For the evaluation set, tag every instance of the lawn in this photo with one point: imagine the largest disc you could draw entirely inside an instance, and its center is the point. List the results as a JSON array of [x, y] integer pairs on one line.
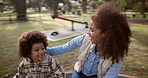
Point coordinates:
[[135, 64]]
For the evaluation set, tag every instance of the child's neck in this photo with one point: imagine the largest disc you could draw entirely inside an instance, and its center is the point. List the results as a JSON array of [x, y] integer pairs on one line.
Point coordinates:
[[33, 60]]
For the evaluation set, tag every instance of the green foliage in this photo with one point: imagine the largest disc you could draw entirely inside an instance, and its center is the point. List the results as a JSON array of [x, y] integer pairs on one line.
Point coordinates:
[[134, 5], [94, 4]]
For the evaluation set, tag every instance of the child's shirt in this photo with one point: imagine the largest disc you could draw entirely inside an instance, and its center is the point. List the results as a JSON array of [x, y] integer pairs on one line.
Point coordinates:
[[47, 68]]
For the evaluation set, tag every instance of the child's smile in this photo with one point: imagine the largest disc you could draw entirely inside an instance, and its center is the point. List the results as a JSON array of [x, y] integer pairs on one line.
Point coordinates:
[[37, 52]]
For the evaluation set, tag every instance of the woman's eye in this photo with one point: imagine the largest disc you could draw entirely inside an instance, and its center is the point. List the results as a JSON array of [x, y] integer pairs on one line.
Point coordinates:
[[91, 30]]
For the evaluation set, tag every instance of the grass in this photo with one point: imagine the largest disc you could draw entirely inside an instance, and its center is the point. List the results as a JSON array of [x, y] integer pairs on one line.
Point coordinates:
[[137, 15], [135, 64]]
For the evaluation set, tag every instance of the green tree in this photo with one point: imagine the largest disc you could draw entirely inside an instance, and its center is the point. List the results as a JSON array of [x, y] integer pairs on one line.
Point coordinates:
[[143, 6], [136, 5], [36, 4], [49, 4], [1, 6], [55, 7], [95, 3], [67, 5], [20, 7], [84, 6]]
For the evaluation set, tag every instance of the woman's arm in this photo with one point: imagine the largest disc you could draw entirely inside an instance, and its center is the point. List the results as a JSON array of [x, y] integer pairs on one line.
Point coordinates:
[[69, 46], [114, 70]]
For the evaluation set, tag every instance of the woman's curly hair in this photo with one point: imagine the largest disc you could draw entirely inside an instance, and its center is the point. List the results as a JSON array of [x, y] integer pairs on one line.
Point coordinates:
[[27, 39], [113, 24]]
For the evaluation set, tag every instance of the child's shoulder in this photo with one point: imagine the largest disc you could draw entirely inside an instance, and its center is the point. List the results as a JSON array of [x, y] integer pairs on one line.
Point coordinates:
[[26, 61], [48, 58]]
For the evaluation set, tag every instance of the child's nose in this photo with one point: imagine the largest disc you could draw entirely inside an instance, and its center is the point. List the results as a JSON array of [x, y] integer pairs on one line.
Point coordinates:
[[42, 51]]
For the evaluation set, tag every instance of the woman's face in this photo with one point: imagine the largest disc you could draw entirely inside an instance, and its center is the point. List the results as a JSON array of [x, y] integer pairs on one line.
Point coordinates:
[[94, 33], [37, 52]]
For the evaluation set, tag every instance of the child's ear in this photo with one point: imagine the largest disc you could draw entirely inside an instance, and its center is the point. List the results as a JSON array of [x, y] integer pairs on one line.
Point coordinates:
[[28, 55]]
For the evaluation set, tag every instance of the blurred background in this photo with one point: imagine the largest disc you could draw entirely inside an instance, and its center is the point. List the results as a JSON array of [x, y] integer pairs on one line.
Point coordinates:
[[18, 16]]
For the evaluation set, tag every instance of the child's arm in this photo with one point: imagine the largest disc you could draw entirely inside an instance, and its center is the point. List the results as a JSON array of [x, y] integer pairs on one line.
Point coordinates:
[[21, 72]]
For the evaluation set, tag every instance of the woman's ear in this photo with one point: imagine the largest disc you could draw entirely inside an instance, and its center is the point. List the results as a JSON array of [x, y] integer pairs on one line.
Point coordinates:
[[104, 34]]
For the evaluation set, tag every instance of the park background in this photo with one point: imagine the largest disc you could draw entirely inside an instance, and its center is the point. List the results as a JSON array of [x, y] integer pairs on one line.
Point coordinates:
[[18, 16]]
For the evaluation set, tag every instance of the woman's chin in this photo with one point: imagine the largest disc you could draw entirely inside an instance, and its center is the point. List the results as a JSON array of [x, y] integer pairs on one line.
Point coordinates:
[[92, 41]]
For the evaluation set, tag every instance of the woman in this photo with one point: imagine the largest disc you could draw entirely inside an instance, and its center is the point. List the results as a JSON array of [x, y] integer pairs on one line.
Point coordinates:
[[103, 48]]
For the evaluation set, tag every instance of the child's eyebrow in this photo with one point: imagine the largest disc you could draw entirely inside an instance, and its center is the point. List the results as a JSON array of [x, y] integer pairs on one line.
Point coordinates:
[[38, 47], [35, 47]]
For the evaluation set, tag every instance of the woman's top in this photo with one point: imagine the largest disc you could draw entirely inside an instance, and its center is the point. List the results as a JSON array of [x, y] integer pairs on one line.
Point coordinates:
[[47, 68], [91, 64], [104, 64]]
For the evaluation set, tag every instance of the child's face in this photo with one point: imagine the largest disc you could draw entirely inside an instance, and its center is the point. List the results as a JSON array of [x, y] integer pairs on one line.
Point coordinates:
[[37, 52]]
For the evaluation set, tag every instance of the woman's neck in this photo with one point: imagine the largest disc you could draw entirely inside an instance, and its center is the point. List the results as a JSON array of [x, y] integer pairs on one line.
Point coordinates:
[[97, 48]]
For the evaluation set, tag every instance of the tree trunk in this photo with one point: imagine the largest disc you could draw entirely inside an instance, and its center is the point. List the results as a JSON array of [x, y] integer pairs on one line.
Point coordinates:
[[55, 7], [69, 6], [21, 10], [84, 5], [37, 5], [142, 7]]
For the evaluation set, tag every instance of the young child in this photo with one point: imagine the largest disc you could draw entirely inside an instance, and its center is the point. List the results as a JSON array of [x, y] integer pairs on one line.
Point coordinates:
[[35, 63]]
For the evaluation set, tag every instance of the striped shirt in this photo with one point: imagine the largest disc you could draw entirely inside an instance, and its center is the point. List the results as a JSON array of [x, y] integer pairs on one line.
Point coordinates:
[[49, 67]]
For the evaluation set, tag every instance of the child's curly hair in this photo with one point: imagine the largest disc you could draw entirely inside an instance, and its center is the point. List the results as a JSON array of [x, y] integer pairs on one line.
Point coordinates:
[[115, 27], [27, 39]]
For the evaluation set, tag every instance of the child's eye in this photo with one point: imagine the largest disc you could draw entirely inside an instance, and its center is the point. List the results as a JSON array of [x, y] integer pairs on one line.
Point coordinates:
[[43, 48], [36, 50]]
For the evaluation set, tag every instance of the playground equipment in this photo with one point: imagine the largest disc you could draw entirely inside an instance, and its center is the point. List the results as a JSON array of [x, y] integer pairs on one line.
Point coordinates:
[[72, 21], [69, 74]]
